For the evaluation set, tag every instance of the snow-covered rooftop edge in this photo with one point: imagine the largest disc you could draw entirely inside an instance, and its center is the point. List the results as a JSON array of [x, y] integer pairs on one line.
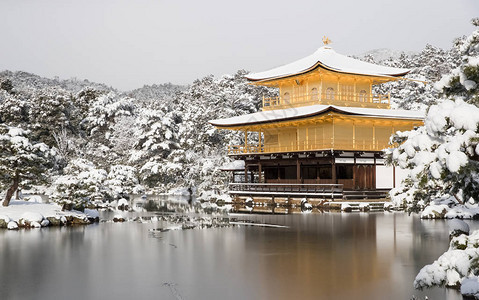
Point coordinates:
[[328, 58], [314, 110]]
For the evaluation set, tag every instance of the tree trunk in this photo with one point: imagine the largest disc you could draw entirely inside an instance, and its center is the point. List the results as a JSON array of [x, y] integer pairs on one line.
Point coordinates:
[[457, 198], [11, 190]]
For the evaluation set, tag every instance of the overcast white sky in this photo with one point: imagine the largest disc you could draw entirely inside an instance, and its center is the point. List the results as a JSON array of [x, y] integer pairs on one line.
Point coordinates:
[[127, 44]]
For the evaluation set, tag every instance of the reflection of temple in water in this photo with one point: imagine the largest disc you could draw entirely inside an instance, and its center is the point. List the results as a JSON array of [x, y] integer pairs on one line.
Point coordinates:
[[339, 251], [344, 255]]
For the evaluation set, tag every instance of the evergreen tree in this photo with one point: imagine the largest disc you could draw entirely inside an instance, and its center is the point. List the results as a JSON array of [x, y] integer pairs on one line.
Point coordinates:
[[21, 160], [442, 155], [81, 182]]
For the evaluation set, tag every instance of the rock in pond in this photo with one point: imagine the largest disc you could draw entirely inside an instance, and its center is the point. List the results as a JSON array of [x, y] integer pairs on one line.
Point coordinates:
[[118, 218]]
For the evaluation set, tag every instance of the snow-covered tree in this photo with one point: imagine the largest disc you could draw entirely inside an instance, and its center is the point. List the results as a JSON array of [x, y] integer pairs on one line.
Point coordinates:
[[158, 134], [6, 85], [122, 180], [443, 154], [104, 110], [22, 161], [81, 182], [13, 109], [49, 110], [464, 80]]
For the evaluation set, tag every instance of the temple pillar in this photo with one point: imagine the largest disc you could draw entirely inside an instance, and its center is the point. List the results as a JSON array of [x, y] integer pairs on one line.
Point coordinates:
[[245, 141], [260, 177], [354, 172], [317, 173], [298, 171], [259, 142], [333, 171]]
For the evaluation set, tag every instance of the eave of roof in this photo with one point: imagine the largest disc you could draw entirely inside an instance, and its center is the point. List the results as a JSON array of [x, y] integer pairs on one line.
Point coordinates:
[[289, 114]]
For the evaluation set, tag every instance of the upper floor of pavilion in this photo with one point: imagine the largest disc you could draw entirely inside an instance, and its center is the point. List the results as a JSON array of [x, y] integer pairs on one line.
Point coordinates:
[[328, 78]]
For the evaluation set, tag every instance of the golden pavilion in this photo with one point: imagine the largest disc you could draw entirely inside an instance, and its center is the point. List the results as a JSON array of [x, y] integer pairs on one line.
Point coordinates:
[[324, 131]]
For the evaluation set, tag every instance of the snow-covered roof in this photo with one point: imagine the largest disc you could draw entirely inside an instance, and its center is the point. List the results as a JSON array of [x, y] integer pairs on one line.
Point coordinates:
[[233, 166], [329, 59], [314, 110]]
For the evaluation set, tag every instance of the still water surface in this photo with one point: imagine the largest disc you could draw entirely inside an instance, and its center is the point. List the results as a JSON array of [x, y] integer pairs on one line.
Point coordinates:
[[320, 256]]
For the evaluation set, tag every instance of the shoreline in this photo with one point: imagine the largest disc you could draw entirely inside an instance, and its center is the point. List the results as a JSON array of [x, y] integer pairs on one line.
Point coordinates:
[[24, 214]]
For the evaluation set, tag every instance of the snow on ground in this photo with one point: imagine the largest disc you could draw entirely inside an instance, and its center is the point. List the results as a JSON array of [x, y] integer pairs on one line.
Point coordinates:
[[443, 211], [234, 165], [123, 203], [305, 205], [182, 191], [388, 205], [213, 195], [345, 206], [32, 214], [92, 213]]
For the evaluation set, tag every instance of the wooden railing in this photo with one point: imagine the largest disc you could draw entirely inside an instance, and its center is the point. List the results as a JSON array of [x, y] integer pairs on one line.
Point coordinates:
[[325, 190], [340, 144], [345, 99], [250, 148]]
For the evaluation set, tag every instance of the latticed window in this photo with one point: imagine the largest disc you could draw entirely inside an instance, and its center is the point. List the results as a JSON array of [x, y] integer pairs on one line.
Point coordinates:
[[363, 95], [347, 92], [271, 139], [329, 93], [314, 96]]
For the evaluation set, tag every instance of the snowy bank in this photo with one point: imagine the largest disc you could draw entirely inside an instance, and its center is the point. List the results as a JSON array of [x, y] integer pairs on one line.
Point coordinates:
[[444, 207], [456, 268], [442, 211], [35, 215]]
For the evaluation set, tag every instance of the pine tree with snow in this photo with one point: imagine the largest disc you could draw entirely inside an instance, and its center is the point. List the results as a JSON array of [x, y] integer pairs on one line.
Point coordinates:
[[6, 85], [49, 111], [442, 155], [464, 80], [13, 109], [22, 161], [121, 181]]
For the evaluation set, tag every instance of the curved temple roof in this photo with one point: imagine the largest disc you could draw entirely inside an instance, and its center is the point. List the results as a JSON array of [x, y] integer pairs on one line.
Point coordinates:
[[314, 110], [329, 59]]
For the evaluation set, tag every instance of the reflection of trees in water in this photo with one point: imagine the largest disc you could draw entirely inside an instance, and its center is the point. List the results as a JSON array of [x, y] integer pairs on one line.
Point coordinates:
[[416, 240], [33, 254], [430, 239]]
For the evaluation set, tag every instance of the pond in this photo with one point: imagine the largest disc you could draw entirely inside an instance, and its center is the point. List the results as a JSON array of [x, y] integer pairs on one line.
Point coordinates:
[[316, 256]]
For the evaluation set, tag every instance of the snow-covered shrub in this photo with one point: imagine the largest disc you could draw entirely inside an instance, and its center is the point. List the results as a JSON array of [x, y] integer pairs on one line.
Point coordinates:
[[121, 180], [457, 264], [80, 184]]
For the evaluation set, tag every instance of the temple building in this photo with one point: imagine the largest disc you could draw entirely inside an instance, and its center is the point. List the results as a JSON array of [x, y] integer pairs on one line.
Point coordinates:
[[324, 129]]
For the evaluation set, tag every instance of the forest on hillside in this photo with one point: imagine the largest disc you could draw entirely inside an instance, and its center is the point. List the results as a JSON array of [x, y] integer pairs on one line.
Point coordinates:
[[91, 140]]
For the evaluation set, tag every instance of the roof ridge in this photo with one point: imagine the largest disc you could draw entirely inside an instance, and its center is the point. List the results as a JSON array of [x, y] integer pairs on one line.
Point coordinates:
[[328, 58]]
